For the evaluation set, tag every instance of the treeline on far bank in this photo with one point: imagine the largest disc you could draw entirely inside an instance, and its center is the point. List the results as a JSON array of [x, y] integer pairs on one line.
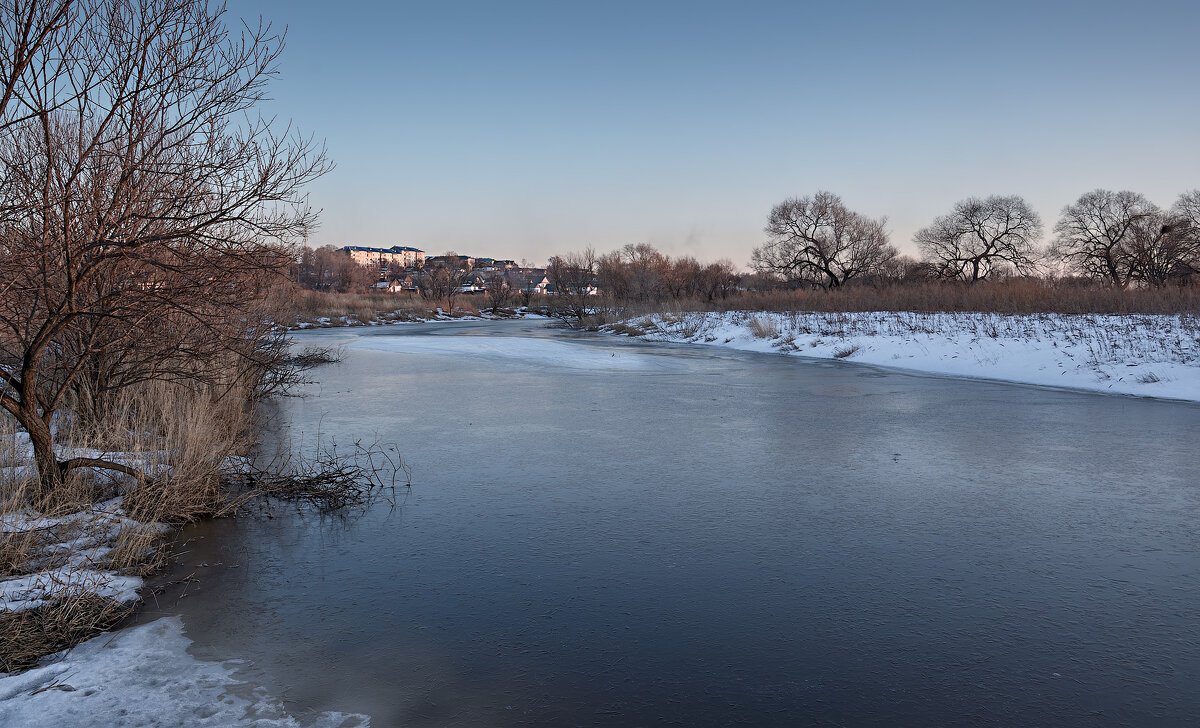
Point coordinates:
[[639, 280], [1111, 252]]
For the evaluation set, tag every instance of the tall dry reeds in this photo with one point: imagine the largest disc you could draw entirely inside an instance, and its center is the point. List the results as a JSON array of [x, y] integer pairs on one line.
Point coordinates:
[[27, 635], [1010, 296], [321, 308], [312, 306], [177, 438]]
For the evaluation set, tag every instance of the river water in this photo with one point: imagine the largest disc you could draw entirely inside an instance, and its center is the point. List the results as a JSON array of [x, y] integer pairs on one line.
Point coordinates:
[[608, 532]]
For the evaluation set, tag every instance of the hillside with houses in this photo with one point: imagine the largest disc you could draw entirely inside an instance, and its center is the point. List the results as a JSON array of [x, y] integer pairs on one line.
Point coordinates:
[[405, 269]]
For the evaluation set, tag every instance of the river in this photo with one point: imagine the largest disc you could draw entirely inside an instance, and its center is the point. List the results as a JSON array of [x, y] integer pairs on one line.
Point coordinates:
[[608, 532]]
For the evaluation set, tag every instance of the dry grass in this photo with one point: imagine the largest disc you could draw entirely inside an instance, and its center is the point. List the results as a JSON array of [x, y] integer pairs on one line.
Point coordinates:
[[29, 634], [763, 328], [321, 309], [1015, 296], [627, 328], [180, 437]]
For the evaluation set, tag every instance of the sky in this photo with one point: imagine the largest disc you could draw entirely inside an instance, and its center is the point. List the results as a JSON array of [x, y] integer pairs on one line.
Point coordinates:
[[527, 129]]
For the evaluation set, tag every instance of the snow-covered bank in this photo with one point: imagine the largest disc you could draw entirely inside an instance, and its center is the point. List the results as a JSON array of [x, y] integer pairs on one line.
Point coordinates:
[[143, 676], [1153, 356], [68, 556], [404, 316], [56, 558]]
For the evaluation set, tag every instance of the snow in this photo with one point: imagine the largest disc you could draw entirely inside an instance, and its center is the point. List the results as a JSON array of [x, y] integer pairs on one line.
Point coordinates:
[[1143, 355], [402, 316], [144, 676], [69, 552], [516, 351], [33, 590]]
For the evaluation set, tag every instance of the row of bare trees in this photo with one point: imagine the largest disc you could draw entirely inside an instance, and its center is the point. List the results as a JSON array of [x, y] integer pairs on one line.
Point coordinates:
[[639, 272], [145, 209], [1117, 237], [1123, 238], [329, 269]]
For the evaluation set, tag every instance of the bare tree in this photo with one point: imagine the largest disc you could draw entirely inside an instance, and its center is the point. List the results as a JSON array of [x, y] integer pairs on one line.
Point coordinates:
[[329, 269], [144, 209], [1096, 234], [612, 274], [1165, 246], [646, 269], [441, 282], [819, 241], [681, 277], [36, 43], [498, 291], [982, 236], [718, 280], [574, 278], [1187, 207], [1185, 224]]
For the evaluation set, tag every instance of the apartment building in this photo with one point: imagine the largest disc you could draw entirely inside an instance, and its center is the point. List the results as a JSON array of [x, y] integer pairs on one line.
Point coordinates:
[[398, 254]]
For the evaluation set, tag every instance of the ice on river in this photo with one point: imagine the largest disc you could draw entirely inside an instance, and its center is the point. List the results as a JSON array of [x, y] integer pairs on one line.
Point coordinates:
[[143, 676], [517, 351]]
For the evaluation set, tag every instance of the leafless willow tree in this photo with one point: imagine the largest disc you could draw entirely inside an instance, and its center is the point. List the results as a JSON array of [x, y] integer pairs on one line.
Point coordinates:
[[1181, 248], [819, 241], [1166, 247], [1123, 238], [1096, 235], [981, 237], [144, 206]]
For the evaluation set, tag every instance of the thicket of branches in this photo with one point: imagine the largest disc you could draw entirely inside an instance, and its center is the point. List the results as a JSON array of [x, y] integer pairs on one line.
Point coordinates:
[[146, 211]]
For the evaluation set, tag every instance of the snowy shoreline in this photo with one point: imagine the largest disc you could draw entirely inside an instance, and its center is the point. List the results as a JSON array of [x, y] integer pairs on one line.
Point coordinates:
[[1139, 355], [144, 676], [390, 318]]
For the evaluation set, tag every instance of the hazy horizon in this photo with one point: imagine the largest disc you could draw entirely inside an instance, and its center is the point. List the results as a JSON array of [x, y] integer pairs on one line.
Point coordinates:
[[528, 129]]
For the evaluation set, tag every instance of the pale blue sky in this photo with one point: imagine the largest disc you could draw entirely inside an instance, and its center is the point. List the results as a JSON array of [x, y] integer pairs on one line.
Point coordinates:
[[523, 129]]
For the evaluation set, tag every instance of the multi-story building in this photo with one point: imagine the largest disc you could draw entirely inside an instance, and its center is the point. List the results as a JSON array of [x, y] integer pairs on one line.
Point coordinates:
[[398, 254]]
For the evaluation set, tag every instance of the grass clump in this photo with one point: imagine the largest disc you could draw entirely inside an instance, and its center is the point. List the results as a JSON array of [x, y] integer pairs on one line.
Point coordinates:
[[764, 327], [27, 635]]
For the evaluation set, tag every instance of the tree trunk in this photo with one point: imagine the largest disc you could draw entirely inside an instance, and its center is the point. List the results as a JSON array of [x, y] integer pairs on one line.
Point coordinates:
[[49, 470]]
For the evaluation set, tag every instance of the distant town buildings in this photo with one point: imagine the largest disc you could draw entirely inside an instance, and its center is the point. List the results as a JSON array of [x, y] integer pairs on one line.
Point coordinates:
[[404, 269], [401, 255]]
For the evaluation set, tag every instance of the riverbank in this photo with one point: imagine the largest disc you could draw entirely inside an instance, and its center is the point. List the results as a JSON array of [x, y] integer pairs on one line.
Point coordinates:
[[1140, 355], [144, 676], [73, 562], [384, 317]]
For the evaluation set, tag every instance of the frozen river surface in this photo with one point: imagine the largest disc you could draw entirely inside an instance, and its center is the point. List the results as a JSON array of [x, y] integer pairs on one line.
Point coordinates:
[[613, 533]]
